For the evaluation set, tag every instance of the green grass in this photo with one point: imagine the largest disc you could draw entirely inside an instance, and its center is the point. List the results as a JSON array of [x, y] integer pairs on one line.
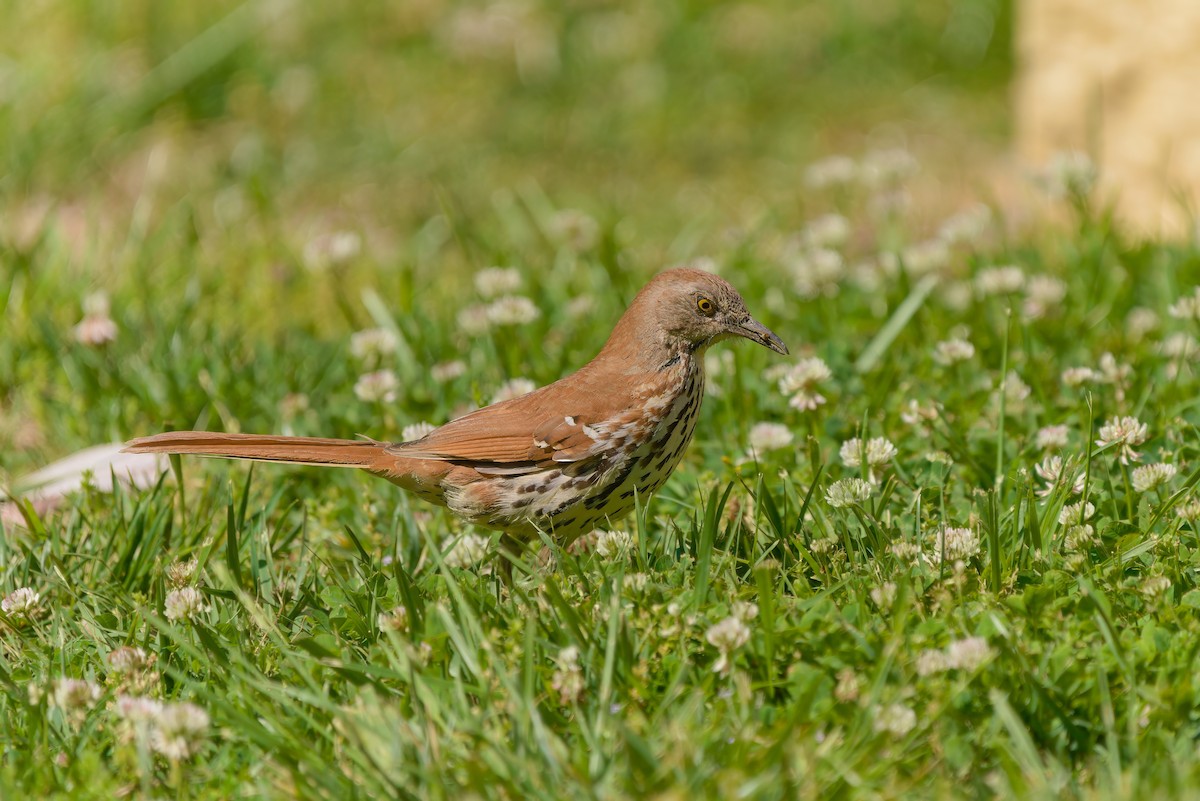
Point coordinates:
[[185, 160]]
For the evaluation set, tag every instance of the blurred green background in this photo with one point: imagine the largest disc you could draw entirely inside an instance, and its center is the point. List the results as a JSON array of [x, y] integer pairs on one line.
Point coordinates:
[[384, 112], [199, 161]]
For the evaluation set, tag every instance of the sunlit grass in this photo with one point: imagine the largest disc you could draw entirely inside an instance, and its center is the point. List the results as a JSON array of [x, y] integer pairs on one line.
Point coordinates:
[[945, 567]]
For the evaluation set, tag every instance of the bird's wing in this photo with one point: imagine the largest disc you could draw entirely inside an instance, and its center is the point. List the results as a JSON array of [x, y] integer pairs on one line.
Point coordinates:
[[526, 433]]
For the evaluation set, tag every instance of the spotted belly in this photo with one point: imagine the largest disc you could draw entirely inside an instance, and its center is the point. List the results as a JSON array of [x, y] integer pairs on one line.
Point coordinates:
[[568, 502]]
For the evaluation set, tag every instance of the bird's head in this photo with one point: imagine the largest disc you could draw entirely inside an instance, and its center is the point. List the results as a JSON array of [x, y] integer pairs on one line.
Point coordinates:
[[695, 309]]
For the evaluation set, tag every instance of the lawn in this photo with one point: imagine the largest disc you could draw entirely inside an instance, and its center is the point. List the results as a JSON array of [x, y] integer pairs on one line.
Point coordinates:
[[945, 549]]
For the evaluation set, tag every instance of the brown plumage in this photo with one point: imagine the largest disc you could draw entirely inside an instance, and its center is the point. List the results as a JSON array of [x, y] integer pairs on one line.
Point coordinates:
[[563, 459]]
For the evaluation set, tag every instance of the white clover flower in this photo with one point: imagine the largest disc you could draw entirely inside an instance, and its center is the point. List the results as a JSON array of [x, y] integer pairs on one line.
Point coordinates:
[[581, 306], [395, 620], [1112, 371], [180, 574], [71, 695], [377, 387], [1050, 469], [1056, 471], [512, 310], [95, 331], [465, 551], [718, 362], [954, 295], [931, 661], [908, 553], [474, 320], [1127, 432], [867, 275], [768, 437], [293, 405], [1043, 293], [1150, 476], [186, 603], [1069, 174], [1179, 346], [824, 545], [567, 679], [331, 250], [421, 654], [568, 656], [999, 280], [953, 351], [502, 32], [1076, 514], [1079, 537], [179, 731], [613, 544], [968, 654], [727, 636], [887, 166], [96, 328], [1140, 321], [575, 229], [415, 431], [343, 246], [97, 304], [21, 602], [953, 544], [492, 282], [924, 258], [744, 610], [967, 226], [444, 372], [800, 382], [372, 344], [817, 273], [847, 492], [1050, 437], [138, 709], [1016, 391], [884, 595], [826, 231], [847, 689], [1187, 307], [832, 171], [1155, 586], [772, 375], [1188, 510], [1078, 376], [895, 719], [916, 414], [885, 204], [875, 452], [513, 388], [129, 659]]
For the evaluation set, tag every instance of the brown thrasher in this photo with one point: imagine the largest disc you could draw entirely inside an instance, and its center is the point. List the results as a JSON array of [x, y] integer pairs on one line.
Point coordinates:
[[564, 458]]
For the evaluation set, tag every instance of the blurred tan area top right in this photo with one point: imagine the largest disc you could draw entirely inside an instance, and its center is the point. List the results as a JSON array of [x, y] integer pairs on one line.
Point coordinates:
[[1118, 80]]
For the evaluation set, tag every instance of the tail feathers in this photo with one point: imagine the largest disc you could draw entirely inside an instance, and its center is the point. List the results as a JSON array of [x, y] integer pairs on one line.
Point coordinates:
[[266, 448]]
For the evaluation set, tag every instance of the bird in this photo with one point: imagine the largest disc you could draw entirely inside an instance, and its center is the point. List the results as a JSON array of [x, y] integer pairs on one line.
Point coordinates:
[[562, 460]]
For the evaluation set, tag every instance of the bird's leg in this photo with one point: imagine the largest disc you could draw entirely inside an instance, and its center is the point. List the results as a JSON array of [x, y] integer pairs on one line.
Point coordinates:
[[507, 554]]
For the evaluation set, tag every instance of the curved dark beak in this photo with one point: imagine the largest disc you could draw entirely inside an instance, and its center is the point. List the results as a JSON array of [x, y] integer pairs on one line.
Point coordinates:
[[755, 331]]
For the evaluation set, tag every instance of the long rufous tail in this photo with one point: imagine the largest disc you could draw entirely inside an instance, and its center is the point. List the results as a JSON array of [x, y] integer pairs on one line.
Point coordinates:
[[267, 448]]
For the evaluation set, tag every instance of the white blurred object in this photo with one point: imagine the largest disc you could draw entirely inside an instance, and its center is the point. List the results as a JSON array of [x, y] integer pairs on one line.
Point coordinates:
[[96, 466]]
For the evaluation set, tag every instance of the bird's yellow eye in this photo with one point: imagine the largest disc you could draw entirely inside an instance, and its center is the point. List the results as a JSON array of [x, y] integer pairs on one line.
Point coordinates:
[[706, 306]]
